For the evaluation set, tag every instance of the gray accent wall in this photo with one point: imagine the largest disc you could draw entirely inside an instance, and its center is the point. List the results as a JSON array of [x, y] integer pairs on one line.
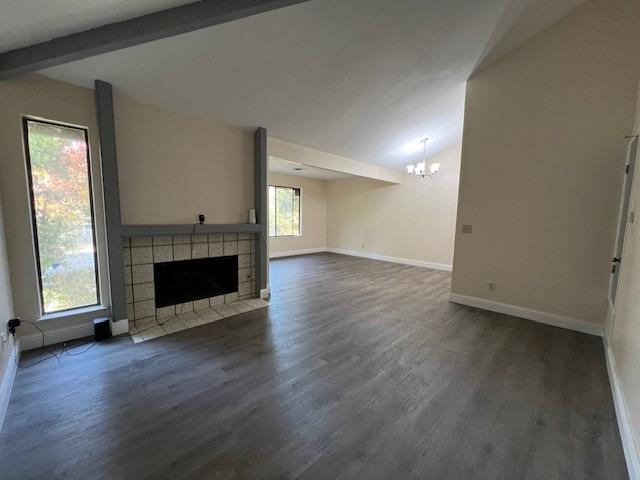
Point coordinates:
[[127, 33], [189, 229], [109, 164], [261, 202]]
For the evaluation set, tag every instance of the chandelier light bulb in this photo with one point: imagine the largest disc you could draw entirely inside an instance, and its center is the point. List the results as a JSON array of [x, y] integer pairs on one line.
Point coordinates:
[[420, 168]]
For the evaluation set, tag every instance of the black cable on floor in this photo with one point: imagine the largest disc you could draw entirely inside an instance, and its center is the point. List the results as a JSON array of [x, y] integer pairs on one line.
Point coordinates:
[[57, 357], [66, 348]]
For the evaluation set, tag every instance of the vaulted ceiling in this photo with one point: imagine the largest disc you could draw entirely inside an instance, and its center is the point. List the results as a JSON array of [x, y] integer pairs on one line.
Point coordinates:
[[360, 78]]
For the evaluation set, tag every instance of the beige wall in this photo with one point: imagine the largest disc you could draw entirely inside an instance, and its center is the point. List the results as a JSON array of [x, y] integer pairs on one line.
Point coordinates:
[[314, 215], [172, 167], [328, 161], [6, 309], [38, 96], [6, 299], [413, 220], [542, 161], [624, 335]]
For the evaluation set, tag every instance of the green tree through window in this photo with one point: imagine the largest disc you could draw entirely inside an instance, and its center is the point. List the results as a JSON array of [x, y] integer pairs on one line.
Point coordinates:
[[59, 177], [284, 211]]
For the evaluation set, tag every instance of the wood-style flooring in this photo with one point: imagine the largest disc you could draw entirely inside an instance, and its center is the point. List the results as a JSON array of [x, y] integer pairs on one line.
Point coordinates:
[[359, 369]]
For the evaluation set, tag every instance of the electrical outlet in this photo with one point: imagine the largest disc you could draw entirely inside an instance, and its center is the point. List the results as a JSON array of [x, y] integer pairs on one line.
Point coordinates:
[[492, 286], [3, 340], [632, 217], [362, 246]]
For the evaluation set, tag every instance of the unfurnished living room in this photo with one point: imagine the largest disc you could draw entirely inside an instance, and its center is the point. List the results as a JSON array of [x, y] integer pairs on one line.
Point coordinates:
[[319, 239]]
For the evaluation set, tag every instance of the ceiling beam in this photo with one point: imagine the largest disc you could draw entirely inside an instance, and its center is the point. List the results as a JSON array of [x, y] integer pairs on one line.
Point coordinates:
[[146, 28]]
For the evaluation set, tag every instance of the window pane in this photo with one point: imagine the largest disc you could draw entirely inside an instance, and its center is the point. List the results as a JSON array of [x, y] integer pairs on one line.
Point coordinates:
[[284, 211], [61, 197], [272, 211]]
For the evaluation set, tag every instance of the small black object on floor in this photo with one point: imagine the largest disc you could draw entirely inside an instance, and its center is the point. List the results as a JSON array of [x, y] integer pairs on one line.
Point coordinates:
[[101, 328]]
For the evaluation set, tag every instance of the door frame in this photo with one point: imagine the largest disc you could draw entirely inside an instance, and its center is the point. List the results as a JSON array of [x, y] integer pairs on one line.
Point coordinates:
[[633, 151]]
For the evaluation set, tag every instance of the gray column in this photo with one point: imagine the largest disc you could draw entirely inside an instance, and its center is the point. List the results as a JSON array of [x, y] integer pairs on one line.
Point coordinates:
[[261, 202], [109, 162]]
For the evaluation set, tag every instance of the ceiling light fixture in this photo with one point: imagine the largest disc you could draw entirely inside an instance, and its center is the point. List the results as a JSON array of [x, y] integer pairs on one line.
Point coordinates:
[[420, 168]]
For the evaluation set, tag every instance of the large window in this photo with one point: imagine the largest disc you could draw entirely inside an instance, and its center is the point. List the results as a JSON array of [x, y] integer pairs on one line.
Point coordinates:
[[62, 210], [284, 211]]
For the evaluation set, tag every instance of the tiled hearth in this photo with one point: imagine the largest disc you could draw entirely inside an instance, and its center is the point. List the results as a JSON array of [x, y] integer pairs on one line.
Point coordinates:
[[149, 328], [141, 252]]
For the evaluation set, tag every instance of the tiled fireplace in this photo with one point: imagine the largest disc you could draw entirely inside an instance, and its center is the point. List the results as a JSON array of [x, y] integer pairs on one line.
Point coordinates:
[[142, 252]]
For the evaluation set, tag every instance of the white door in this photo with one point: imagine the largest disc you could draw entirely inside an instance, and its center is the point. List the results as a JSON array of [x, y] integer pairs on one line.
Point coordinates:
[[623, 217]]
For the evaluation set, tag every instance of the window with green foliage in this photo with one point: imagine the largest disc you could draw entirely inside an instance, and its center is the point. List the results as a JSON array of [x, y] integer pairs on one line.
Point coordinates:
[[62, 210], [284, 211]]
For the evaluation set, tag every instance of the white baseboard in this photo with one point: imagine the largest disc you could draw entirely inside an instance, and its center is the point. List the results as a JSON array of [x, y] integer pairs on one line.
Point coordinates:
[[372, 256], [59, 335], [292, 253], [34, 340], [631, 452], [385, 258], [6, 386], [611, 314], [265, 292], [535, 315]]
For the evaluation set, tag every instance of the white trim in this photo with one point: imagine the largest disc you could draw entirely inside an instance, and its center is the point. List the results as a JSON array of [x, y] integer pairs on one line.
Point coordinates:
[[608, 326], [59, 335], [385, 258], [554, 319], [34, 340], [626, 197], [631, 452], [292, 253], [74, 312], [265, 292], [7, 382]]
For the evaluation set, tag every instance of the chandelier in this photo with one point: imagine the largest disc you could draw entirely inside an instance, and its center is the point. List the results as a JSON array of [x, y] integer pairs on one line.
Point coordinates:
[[420, 168]]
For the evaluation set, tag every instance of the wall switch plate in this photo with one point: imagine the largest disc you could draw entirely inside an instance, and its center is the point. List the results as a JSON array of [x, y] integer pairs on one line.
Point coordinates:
[[467, 228], [3, 340], [632, 217], [492, 286]]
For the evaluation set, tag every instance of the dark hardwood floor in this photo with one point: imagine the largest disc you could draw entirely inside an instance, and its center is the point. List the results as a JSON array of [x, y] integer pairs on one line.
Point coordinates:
[[359, 369]]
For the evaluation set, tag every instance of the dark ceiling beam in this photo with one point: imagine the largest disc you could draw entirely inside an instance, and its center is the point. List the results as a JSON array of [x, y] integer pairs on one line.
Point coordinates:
[[114, 36]]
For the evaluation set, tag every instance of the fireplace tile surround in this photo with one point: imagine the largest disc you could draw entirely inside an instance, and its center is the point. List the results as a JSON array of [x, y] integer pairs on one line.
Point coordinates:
[[141, 252]]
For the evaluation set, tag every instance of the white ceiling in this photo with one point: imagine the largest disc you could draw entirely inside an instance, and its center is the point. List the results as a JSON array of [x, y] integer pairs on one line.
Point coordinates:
[[358, 78], [279, 165]]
